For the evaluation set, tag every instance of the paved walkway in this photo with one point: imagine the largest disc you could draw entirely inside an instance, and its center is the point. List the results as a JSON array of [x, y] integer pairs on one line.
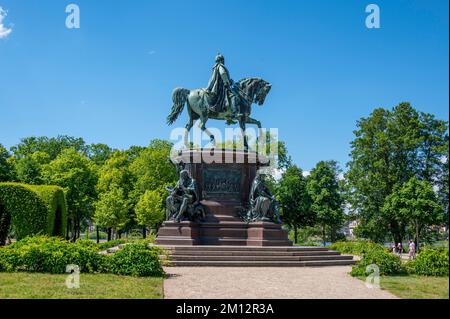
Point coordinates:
[[261, 283]]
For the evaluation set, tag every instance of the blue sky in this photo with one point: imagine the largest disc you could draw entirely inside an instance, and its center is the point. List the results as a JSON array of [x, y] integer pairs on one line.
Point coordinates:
[[111, 80]]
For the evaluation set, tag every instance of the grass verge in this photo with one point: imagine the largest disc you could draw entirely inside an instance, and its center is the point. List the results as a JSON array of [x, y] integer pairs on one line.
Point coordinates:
[[416, 287], [92, 286]]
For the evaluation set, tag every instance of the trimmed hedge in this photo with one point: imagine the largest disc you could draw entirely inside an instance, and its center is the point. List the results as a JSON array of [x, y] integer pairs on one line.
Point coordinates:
[[54, 199], [31, 209]]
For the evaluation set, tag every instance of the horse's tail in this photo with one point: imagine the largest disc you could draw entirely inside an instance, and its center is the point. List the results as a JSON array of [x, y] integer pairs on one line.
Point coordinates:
[[179, 98]]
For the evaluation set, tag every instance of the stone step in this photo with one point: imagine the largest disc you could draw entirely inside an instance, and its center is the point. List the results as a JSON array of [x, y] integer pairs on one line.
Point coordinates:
[[217, 218], [253, 253], [244, 248], [258, 258], [233, 263]]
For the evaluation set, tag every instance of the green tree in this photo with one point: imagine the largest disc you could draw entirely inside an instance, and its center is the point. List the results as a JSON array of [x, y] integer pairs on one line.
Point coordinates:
[[74, 172], [111, 210], [416, 204], [389, 148], [294, 201], [326, 199], [99, 153], [6, 170], [152, 168], [443, 185], [432, 148], [29, 168], [53, 146], [134, 151], [115, 173], [150, 210]]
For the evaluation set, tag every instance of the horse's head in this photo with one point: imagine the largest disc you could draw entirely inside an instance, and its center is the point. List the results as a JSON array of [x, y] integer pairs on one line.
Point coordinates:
[[255, 89], [262, 91]]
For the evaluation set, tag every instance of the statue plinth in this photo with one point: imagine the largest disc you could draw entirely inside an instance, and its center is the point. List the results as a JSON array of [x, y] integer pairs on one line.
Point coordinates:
[[224, 179]]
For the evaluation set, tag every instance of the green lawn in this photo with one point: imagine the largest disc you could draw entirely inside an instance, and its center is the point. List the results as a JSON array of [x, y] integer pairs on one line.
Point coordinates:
[[416, 287], [95, 286]]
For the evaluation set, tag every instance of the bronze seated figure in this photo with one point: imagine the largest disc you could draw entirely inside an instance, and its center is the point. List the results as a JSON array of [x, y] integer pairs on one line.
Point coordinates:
[[263, 206], [183, 203]]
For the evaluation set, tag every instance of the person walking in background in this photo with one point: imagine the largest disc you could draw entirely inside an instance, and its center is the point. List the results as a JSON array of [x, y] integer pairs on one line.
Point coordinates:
[[393, 248], [412, 250], [399, 249]]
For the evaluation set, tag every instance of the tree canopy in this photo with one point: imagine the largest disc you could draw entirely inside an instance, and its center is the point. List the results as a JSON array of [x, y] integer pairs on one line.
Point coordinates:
[[391, 147], [6, 169], [326, 198], [295, 202], [414, 204]]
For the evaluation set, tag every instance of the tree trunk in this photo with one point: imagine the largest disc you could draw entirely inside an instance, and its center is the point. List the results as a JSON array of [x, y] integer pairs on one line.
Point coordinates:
[[79, 229], [98, 234], [397, 233], [68, 229], [417, 237], [323, 235], [295, 234], [76, 226], [74, 231], [397, 239], [109, 233], [144, 232]]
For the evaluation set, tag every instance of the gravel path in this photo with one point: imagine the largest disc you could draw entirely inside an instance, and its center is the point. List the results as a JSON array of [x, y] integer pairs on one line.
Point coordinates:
[[260, 283]]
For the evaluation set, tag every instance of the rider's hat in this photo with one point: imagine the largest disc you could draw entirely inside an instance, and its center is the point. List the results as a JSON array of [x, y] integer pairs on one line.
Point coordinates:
[[220, 58]]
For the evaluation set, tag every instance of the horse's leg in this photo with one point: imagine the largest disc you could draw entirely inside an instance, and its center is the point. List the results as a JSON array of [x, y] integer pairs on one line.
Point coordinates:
[[188, 125], [242, 125], [250, 120], [202, 124], [199, 110], [188, 128]]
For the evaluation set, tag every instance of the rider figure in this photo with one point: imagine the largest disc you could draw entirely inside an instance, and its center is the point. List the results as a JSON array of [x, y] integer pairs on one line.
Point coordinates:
[[221, 86]]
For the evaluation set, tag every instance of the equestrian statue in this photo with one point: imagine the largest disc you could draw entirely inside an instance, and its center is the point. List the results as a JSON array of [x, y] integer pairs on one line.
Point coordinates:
[[222, 99]]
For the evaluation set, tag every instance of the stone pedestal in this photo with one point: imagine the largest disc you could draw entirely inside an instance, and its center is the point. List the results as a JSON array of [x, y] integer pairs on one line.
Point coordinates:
[[224, 179]]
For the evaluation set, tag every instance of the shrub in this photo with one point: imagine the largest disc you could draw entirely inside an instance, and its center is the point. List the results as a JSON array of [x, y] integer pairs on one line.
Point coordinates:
[[49, 255], [32, 210], [87, 243], [52, 255], [135, 259], [431, 262], [356, 247], [388, 263], [111, 243]]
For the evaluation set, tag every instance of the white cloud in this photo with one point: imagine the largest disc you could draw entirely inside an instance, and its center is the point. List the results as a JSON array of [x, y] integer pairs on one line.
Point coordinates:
[[278, 173], [4, 31], [306, 173]]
